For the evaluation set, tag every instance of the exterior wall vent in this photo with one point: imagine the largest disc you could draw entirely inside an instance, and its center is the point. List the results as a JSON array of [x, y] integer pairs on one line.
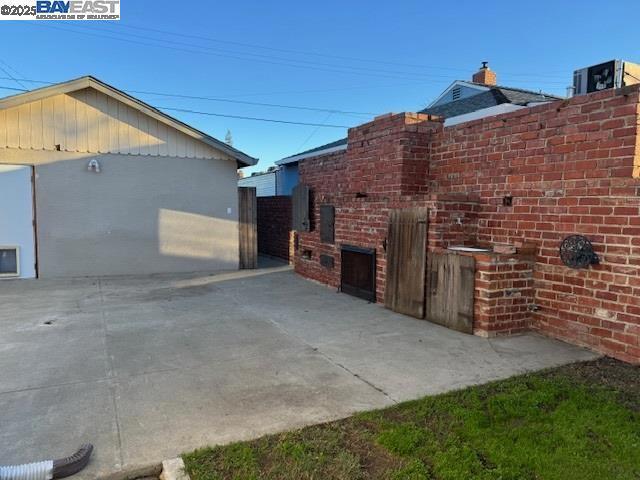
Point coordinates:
[[455, 93]]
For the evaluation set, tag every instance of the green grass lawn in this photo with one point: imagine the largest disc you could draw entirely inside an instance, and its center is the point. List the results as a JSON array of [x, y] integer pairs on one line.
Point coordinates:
[[581, 421]]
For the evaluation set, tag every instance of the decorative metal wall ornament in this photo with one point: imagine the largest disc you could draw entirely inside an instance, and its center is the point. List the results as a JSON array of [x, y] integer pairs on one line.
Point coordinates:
[[576, 251]]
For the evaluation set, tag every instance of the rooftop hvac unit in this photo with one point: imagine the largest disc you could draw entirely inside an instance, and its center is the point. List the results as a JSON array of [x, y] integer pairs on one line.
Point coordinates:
[[611, 74]]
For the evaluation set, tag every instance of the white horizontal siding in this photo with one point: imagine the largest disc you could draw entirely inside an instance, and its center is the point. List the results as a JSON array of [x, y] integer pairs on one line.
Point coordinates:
[[265, 184], [92, 122]]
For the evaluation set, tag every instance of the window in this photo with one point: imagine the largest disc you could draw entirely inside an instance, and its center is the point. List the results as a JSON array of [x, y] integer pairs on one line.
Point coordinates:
[[9, 262]]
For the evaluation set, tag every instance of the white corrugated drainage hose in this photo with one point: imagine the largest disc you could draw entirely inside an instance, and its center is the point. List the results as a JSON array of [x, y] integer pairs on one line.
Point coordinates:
[[49, 469], [28, 471]]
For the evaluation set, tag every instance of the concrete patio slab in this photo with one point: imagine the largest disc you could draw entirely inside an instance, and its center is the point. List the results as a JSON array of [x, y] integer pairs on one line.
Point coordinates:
[[146, 368]]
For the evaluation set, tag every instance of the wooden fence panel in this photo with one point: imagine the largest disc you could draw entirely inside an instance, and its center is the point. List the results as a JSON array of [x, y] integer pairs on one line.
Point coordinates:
[[248, 218]]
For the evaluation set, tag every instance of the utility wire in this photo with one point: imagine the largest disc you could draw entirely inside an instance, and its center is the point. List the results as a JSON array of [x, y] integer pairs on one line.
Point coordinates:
[[287, 92], [312, 63], [9, 74], [219, 99], [315, 130], [14, 89], [224, 115], [221, 55], [203, 50], [184, 110], [317, 54], [245, 102]]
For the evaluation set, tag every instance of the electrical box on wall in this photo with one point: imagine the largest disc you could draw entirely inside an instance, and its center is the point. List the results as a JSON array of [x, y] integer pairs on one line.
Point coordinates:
[[611, 74]]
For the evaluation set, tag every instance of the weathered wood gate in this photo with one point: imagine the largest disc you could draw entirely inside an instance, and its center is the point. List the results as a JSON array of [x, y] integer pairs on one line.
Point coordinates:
[[248, 225], [450, 289], [301, 221], [406, 261]]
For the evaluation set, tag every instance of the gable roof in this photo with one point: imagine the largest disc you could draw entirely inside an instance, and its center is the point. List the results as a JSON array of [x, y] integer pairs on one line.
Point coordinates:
[[92, 82], [492, 96], [476, 86]]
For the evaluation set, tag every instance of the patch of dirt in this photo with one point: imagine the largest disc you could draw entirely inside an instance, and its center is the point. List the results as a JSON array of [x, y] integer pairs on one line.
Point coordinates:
[[375, 461], [608, 373]]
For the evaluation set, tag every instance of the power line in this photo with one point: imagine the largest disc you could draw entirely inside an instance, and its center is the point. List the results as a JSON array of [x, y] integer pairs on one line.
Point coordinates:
[[353, 70], [14, 89], [426, 75], [224, 115], [300, 52], [287, 92], [219, 99], [9, 73], [315, 130], [184, 110], [260, 104], [222, 55]]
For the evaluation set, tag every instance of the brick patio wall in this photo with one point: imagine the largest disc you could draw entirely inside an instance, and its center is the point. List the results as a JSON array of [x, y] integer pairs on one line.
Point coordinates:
[[274, 227], [569, 167], [504, 294]]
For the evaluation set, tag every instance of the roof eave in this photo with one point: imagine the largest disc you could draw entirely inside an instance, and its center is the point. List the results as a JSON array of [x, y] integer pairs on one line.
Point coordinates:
[[92, 82], [316, 153]]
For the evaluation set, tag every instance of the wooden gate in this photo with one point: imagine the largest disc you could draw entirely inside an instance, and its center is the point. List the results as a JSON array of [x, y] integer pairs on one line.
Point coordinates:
[[406, 261], [450, 288], [248, 219], [300, 209]]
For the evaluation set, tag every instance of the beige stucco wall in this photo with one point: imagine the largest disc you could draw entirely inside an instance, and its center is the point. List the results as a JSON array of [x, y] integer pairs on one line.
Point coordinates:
[[140, 215]]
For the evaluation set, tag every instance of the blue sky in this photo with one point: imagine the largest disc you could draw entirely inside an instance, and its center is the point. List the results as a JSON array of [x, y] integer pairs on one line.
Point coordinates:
[[367, 57]]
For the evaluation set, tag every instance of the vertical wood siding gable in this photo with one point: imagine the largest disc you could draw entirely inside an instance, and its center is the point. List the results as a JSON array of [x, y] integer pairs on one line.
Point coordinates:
[[89, 121]]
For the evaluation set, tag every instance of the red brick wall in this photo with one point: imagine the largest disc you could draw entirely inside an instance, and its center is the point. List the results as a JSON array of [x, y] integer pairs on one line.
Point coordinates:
[[569, 167], [384, 167], [504, 295], [274, 227]]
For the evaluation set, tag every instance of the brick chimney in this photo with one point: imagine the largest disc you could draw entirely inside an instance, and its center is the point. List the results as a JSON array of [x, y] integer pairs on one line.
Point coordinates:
[[484, 75]]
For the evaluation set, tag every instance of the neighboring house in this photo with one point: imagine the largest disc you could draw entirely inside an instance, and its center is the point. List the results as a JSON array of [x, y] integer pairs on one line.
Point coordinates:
[[96, 182], [461, 102], [287, 178], [265, 183], [289, 165]]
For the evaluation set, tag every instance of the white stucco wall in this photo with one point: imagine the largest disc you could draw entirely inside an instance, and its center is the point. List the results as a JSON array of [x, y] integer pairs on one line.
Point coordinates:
[[140, 215], [16, 215]]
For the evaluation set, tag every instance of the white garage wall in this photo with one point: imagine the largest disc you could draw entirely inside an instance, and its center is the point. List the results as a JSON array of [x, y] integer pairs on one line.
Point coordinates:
[[16, 215], [140, 215]]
